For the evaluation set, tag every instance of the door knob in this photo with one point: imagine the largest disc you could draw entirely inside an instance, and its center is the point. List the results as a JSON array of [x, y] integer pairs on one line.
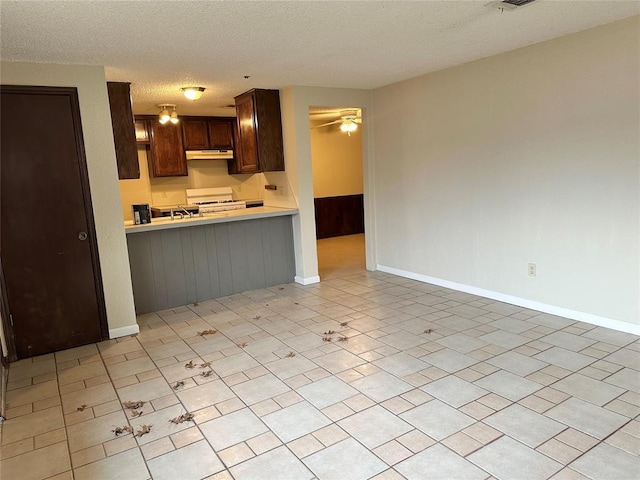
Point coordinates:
[[82, 235]]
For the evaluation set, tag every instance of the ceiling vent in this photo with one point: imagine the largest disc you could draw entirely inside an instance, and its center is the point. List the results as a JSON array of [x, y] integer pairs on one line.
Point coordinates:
[[517, 3], [508, 5]]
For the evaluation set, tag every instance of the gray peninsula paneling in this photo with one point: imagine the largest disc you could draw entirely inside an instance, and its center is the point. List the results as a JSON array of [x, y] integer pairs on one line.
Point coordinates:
[[178, 266]]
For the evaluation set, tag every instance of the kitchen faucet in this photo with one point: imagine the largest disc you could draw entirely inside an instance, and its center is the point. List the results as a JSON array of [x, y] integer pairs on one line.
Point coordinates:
[[180, 210]]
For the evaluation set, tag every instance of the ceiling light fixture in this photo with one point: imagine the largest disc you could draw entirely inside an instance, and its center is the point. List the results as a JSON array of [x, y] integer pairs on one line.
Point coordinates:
[[348, 126], [165, 116], [192, 93], [348, 121]]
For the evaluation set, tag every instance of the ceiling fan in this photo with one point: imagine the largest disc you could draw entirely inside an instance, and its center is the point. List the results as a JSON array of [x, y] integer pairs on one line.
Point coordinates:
[[349, 120]]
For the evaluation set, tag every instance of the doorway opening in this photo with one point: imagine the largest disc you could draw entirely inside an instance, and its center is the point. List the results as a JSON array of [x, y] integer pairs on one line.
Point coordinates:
[[336, 157]]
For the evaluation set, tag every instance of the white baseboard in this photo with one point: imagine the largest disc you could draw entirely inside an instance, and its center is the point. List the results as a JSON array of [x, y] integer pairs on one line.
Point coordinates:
[[521, 302], [306, 280], [124, 331]]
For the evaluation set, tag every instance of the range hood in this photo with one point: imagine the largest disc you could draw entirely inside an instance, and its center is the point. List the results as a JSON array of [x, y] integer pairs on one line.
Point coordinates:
[[209, 154]]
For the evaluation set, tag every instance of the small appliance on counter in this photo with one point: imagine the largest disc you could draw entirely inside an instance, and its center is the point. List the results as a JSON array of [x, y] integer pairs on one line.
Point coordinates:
[[141, 214], [214, 199]]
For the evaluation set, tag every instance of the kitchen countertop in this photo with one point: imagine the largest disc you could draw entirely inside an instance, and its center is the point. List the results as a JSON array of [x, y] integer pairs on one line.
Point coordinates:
[[164, 223]]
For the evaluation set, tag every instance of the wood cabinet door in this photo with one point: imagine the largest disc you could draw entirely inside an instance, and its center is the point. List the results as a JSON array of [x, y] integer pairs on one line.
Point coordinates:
[[245, 111], [269, 130], [221, 134], [124, 137], [167, 153], [49, 254], [195, 134], [233, 165]]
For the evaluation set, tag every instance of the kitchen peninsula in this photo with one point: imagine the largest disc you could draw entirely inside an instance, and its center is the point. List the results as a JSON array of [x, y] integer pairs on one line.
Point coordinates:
[[183, 261], [204, 172]]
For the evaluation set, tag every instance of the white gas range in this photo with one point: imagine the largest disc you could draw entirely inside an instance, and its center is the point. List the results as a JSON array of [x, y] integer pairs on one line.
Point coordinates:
[[214, 199]]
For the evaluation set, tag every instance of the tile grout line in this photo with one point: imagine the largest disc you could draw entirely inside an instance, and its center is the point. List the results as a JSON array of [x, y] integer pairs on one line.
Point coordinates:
[[102, 359], [139, 446], [326, 300], [64, 418]]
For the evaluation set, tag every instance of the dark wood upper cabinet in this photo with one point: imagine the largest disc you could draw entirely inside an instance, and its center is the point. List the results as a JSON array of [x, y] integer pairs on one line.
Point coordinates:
[[167, 143], [247, 138], [167, 158], [124, 136], [207, 133], [196, 133], [259, 131], [233, 165], [221, 133]]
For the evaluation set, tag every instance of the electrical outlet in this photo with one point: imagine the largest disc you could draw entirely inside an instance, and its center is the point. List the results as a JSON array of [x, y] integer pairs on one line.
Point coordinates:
[[281, 189], [532, 269]]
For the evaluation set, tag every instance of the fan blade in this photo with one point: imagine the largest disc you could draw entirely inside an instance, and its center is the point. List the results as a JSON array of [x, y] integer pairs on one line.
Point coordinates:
[[327, 124], [335, 113]]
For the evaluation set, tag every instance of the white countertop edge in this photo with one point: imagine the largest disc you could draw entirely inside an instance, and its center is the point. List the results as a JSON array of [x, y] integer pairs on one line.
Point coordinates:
[[224, 217]]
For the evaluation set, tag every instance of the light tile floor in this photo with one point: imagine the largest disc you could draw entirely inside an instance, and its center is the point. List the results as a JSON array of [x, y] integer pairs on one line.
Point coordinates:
[[494, 391]]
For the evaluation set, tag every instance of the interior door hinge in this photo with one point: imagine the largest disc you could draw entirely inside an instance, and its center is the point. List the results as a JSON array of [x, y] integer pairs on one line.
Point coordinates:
[[11, 319]]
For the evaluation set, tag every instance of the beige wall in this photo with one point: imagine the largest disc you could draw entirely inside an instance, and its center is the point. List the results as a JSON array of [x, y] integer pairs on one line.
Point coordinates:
[[136, 190], [103, 177], [531, 156], [172, 190], [337, 161]]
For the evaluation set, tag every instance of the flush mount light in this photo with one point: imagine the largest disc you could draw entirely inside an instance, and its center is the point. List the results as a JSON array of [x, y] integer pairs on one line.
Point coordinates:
[[165, 116], [192, 93]]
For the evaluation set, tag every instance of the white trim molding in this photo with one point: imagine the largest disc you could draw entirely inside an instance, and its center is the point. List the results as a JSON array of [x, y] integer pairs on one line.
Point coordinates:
[[124, 331], [521, 302], [306, 280]]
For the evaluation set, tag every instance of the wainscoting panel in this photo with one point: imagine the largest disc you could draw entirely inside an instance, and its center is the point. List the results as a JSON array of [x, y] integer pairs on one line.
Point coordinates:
[[337, 216]]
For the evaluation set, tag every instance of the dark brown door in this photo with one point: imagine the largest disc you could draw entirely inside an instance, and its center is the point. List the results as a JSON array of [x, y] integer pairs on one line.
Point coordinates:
[[47, 239]]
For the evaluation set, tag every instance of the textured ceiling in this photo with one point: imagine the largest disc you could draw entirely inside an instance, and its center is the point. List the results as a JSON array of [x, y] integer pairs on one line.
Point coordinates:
[[160, 46]]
